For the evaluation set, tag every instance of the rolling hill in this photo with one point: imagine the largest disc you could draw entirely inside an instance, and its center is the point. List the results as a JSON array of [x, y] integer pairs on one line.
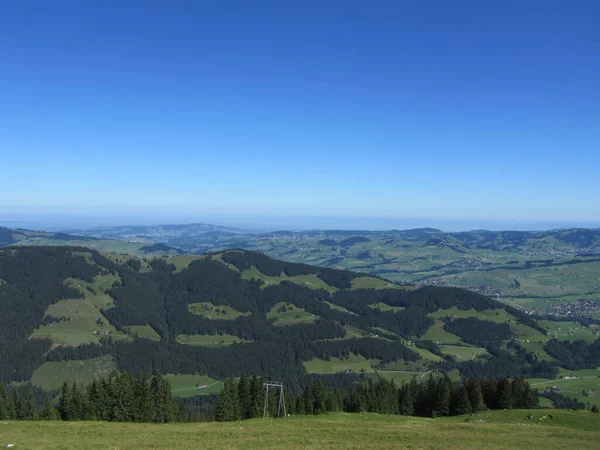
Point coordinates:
[[75, 313], [21, 237], [546, 272]]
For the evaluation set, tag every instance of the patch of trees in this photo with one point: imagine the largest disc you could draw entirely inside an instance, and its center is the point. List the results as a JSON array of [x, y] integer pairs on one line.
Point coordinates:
[[574, 355], [34, 279], [330, 242], [562, 401], [431, 347], [502, 364], [353, 240], [436, 397]]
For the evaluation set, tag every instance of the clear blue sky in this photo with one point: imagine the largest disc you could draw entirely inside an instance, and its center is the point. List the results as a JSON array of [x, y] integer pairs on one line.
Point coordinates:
[[486, 110]]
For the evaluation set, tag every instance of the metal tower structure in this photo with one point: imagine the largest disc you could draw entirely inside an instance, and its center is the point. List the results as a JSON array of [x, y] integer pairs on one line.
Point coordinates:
[[281, 405]]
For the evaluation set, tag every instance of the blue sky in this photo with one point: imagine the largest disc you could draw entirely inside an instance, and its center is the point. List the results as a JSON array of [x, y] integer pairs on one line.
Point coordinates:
[[464, 110]]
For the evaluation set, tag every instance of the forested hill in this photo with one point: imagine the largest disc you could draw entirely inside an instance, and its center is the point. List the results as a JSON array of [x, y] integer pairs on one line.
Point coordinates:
[[240, 312], [21, 237]]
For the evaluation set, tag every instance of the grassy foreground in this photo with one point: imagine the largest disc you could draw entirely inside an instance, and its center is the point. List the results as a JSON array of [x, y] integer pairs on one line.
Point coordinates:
[[499, 429]]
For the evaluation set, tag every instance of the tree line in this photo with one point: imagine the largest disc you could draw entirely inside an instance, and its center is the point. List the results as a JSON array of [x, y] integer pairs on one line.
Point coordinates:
[[436, 397], [122, 398]]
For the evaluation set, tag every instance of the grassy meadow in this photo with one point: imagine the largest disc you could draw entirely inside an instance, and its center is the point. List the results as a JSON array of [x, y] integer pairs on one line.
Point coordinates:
[[489, 430]]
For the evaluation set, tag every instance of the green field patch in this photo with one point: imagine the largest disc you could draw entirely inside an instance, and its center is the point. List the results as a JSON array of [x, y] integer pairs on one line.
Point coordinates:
[[373, 283], [311, 280], [537, 348], [210, 311], [191, 385], [82, 323], [52, 374], [143, 331], [492, 315], [525, 333], [572, 331], [340, 308], [353, 363], [288, 314], [463, 353], [426, 354], [401, 376], [385, 307], [183, 261], [210, 340], [437, 334], [574, 383]]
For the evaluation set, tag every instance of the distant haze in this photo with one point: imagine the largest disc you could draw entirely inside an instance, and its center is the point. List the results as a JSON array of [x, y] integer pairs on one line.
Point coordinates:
[[260, 223]]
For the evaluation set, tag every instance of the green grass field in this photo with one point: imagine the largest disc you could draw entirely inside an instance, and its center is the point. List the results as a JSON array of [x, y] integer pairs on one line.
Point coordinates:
[[143, 331], [374, 283], [437, 334], [588, 379], [462, 353], [490, 430], [209, 340], [312, 281], [288, 314], [185, 385], [51, 375], [354, 363], [210, 311], [385, 307], [85, 323]]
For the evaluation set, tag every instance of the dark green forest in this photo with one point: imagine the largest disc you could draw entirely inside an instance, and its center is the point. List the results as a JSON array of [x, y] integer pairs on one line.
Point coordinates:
[[153, 292]]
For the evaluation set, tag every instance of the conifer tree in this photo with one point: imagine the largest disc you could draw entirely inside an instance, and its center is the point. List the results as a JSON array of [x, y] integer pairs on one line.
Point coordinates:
[[3, 403], [76, 411], [443, 397], [504, 394], [319, 396], [142, 409], [308, 399], [245, 398], [475, 395], [49, 412], [460, 403], [28, 406], [64, 402]]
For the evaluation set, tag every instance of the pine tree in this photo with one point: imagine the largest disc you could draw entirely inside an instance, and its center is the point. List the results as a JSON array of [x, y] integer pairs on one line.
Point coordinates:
[[76, 412], [257, 396], [475, 395], [461, 404], [49, 412], [18, 405], [308, 400], [3, 403], [64, 402], [93, 395], [319, 396], [245, 398], [28, 407], [443, 397], [405, 400], [504, 394], [142, 410], [228, 408]]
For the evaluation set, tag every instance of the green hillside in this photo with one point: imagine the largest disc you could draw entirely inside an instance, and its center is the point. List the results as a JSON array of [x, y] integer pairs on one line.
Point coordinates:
[[74, 312], [493, 430]]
